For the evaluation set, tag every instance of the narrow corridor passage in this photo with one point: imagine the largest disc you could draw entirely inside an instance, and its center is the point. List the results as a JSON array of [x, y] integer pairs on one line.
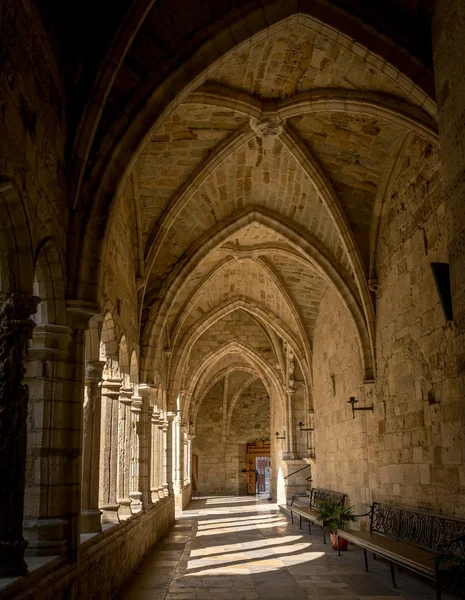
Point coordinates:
[[242, 548]]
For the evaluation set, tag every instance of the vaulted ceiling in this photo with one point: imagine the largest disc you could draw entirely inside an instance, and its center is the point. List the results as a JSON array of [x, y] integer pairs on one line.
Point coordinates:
[[261, 189], [259, 138]]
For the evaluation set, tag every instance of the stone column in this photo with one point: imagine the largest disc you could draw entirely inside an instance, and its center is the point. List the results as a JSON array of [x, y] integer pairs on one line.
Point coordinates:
[[124, 452], [139, 451], [177, 456], [167, 479], [161, 456], [154, 455], [109, 455], [46, 508], [15, 329], [290, 437], [79, 313], [90, 512]]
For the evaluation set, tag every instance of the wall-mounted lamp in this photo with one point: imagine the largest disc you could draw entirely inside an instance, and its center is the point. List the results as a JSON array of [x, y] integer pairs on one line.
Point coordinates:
[[353, 402], [280, 437], [302, 428]]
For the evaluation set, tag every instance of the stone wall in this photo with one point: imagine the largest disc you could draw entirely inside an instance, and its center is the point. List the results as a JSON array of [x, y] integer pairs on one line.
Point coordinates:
[[449, 68], [341, 441], [416, 453], [221, 462], [105, 561], [33, 123]]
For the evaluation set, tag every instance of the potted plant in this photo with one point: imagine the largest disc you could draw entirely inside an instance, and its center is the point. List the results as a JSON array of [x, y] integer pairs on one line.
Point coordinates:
[[450, 570], [336, 516]]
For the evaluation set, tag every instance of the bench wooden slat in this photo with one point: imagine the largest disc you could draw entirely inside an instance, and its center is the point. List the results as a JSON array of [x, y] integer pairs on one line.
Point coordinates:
[[308, 513], [412, 557]]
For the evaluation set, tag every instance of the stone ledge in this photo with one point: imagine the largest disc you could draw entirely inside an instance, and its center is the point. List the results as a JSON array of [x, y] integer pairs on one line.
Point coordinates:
[[58, 575]]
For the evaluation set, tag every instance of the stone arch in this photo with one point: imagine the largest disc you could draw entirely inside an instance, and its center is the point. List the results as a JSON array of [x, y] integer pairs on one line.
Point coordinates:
[[161, 99], [134, 369], [49, 284], [270, 272], [298, 240], [370, 103], [262, 367], [223, 373], [16, 265], [92, 339], [109, 346], [222, 310], [123, 361]]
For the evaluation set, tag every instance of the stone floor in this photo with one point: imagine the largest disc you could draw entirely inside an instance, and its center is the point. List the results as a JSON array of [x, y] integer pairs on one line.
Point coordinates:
[[242, 548]]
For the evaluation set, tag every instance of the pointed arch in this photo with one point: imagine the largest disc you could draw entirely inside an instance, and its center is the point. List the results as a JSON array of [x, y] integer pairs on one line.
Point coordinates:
[[16, 262], [49, 284], [268, 376], [201, 325], [119, 148], [300, 240]]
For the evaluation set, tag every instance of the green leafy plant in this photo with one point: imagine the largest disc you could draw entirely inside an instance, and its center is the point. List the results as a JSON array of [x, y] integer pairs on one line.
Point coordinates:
[[335, 515]]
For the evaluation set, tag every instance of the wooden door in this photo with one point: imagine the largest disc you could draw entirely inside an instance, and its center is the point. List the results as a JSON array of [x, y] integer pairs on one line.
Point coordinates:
[[253, 451]]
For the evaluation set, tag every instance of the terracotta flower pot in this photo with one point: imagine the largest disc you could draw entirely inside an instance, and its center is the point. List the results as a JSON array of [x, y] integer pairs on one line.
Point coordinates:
[[343, 544]]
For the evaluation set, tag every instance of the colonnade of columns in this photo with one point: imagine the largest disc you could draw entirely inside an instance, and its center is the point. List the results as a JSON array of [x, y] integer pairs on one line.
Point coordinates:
[[87, 449]]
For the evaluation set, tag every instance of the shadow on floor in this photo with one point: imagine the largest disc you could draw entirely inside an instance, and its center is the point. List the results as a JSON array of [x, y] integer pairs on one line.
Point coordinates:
[[242, 548]]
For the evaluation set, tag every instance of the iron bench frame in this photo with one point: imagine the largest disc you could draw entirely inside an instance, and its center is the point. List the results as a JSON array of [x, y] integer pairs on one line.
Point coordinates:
[[315, 495], [433, 534]]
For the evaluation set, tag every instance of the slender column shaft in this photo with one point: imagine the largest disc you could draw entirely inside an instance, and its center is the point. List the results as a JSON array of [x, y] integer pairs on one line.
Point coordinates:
[[124, 452], [139, 477], [15, 329], [51, 409], [90, 513], [161, 456], [109, 454]]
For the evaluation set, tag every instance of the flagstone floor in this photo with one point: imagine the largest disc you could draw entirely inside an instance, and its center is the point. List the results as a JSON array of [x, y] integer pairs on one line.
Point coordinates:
[[242, 548]]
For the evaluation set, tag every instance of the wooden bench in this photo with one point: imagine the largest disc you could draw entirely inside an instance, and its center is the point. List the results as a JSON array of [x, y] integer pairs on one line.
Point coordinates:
[[409, 538], [306, 505]]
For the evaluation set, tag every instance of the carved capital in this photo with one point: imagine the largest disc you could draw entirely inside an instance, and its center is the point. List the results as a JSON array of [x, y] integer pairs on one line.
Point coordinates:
[[125, 395], [94, 370]]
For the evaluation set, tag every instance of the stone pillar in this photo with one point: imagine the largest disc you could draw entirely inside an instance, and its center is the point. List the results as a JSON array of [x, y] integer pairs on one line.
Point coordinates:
[[155, 478], [177, 456], [139, 451], [90, 512], [124, 453], [109, 455], [448, 28], [45, 523], [161, 456], [290, 437], [168, 454], [15, 329]]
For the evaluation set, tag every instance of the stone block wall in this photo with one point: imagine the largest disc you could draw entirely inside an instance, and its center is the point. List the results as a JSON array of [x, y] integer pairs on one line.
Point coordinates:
[[220, 461], [341, 441], [33, 122], [449, 68], [415, 443], [105, 562]]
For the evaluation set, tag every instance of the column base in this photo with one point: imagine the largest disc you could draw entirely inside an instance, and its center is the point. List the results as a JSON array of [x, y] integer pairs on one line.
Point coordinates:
[[91, 521], [46, 537], [110, 513], [124, 508], [136, 501], [12, 562]]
